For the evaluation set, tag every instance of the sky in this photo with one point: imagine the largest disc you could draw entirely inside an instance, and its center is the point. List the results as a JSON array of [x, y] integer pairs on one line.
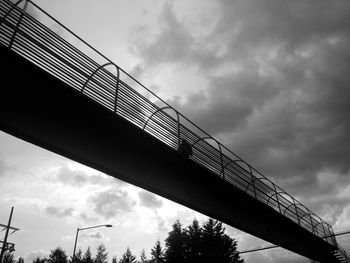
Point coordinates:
[[270, 79]]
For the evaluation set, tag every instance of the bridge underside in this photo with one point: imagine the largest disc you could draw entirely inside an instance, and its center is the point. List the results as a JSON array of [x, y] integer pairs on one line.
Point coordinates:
[[38, 108]]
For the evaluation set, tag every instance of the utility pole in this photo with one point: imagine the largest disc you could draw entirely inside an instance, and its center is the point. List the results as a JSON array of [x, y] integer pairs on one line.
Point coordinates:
[[4, 245]]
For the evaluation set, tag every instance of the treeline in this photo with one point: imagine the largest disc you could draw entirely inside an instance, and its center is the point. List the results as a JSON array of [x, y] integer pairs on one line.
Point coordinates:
[[193, 244]]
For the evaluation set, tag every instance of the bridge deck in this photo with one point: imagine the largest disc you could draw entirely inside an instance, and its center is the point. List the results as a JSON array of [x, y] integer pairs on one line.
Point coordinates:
[[99, 120], [40, 109]]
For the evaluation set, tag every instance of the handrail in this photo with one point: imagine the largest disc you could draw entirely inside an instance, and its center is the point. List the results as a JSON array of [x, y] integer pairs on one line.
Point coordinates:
[[39, 44]]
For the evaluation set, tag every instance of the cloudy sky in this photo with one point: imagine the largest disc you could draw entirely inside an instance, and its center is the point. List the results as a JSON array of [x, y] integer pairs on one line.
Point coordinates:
[[269, 78]]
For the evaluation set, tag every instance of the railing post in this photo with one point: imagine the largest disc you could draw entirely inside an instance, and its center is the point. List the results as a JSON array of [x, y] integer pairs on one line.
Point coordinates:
[[116, 90], [296, 211], [18, 23], [334, 241], [178, 130], [253, 182], [278, 202], [324, 230], [221, 160], [311, 222]]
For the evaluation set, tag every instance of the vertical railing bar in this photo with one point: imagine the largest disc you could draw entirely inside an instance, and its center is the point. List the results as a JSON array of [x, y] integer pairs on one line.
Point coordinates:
[[11, 9], [89, 63], [208, 150], [178, 129], [278, 202], [296, 209], [221, 160], [90, 77], [253, 180], [116, 90], [312, 223], [18, 22]]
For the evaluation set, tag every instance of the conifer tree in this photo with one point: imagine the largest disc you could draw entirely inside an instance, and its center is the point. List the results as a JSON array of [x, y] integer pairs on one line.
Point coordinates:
[[58, 255], [8, 257], [128, 257], [78, 257], [87, 256], [193, 243], [143, 256], [40, 260], [175, 244], [216, 245], [114, 259], [102, 255], [157, 252]]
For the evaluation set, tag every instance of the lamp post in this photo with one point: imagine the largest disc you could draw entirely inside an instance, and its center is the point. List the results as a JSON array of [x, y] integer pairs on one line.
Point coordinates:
[[76, 236]]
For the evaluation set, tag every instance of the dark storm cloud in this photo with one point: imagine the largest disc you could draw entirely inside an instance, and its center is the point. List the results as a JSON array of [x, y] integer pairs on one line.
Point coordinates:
[[112, 202], [59, 211], [285, 109], [174, 43], [306, 130], [170, 45], [149, 200], [229, 103], [292, 23]]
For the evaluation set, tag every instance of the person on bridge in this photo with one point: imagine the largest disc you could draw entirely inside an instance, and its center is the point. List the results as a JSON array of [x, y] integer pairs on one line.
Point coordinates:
[[185, 148]]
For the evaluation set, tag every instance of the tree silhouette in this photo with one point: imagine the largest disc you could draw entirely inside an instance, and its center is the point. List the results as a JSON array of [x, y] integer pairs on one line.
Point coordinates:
[[193, 242], [78, 258], [175, 244], [157, 252], [8, 257], [40, 260], [102, 255], [58, 255], [200, 244], [143, 257], [87, 256], [128, 257], [216, 245]]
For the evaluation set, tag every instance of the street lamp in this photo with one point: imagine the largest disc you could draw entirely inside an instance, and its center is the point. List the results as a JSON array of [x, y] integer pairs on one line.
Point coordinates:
[[84, 228]]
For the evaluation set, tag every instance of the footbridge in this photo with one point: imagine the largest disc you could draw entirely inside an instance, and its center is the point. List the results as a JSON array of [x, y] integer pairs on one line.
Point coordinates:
[[60, 93]]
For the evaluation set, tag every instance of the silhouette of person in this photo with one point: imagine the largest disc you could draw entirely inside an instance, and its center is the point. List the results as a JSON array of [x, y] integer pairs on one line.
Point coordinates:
[[185, 148]]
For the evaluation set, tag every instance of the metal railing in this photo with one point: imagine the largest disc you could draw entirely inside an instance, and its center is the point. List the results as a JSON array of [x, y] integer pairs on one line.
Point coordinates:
[[31, 32], [341, 254]]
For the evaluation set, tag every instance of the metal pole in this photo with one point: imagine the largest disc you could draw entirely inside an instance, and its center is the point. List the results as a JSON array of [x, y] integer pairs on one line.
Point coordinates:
[[258, 249], [6, 235], [76, 237], [75, 245], [18, 24], [275, 246]]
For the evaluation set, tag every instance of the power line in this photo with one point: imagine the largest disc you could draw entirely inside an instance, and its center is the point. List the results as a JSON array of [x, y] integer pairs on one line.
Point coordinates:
[[275, 246]]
